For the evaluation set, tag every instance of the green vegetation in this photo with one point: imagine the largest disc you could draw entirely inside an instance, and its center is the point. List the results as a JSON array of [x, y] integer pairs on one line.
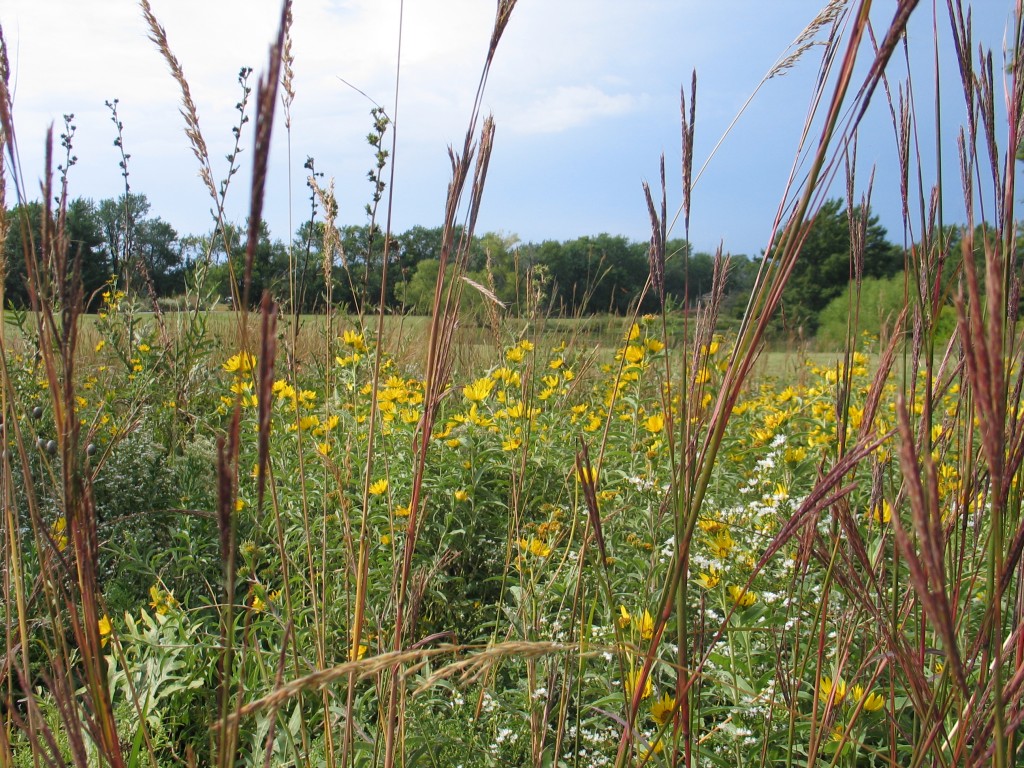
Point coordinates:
[[518, 531]]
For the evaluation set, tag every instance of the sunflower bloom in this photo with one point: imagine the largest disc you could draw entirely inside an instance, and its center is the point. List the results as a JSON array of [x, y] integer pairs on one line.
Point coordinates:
[[479, 390], [828, 685], [654, 424], [359, 653], [624, 617], [882, 513], [535, 547], [741, 597], [722, 544], [646, 625], [59, 533], [662, 709], [105, 628], [709, 580], [243, 362], [872, 701], [631, 681]]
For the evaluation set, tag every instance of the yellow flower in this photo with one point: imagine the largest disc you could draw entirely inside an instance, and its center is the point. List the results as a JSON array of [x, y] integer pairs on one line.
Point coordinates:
[[402, 511], [243, 362], [662, 709], [633, 333], [518, 410], [511, 444], [478, 390], [872, 702], [556, 363], [654, 346], [162, 602], [882, 513], [654, 424], [646, 626], [722, 544], [100, 344], [624, 617], [795, 455], [526, 345], [654, 749], [535, 547], [631, 681], [105, 628], [709, 580], [461, 495], [378, 487], [360, 652], [59, 533], [327, 426], [590, 477], [827, 685], [634, 354], [258, 606], [742, 597], [514, 355], [354, 340], [856, 416]]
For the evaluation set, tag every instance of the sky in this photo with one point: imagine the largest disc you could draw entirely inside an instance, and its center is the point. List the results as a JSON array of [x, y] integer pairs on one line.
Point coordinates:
[[584, 94]]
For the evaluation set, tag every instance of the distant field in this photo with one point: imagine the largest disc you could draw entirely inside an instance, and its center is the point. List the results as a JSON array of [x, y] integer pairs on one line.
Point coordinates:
[[405, 338]]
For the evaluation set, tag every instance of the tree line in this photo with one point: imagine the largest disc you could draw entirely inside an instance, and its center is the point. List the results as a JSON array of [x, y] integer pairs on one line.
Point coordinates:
[[588, 275]]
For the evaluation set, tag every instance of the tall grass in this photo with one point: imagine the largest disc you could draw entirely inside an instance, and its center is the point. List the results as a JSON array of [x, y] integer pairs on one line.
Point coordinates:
[[363, 560]]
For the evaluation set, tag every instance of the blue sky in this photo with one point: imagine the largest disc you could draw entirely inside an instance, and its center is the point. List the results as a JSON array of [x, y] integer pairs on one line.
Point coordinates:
[[585, 95]]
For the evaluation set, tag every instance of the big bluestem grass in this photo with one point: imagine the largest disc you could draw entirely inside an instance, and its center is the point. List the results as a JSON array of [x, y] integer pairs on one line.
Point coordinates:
[[592, 550]]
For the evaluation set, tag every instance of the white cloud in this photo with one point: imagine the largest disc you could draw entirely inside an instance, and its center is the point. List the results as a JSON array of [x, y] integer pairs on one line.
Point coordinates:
[[572, 79], [568, 107]]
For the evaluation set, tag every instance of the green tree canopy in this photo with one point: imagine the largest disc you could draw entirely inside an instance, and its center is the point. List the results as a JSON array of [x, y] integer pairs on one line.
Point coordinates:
[[85, 243], [824, 267], [140, 249]]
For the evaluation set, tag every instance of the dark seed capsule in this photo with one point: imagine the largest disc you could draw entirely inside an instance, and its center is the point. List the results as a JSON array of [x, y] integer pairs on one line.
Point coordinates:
[[37, 412], [40, 443], [51, 447], [91, 449]]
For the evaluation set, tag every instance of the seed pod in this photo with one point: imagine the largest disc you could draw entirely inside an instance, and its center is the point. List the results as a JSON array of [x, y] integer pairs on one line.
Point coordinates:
[[37, 412], [90, 449], [51, 447]]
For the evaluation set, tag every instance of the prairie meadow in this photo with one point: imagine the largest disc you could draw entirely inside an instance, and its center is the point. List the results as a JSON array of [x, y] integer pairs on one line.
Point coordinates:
[[484, 537]]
